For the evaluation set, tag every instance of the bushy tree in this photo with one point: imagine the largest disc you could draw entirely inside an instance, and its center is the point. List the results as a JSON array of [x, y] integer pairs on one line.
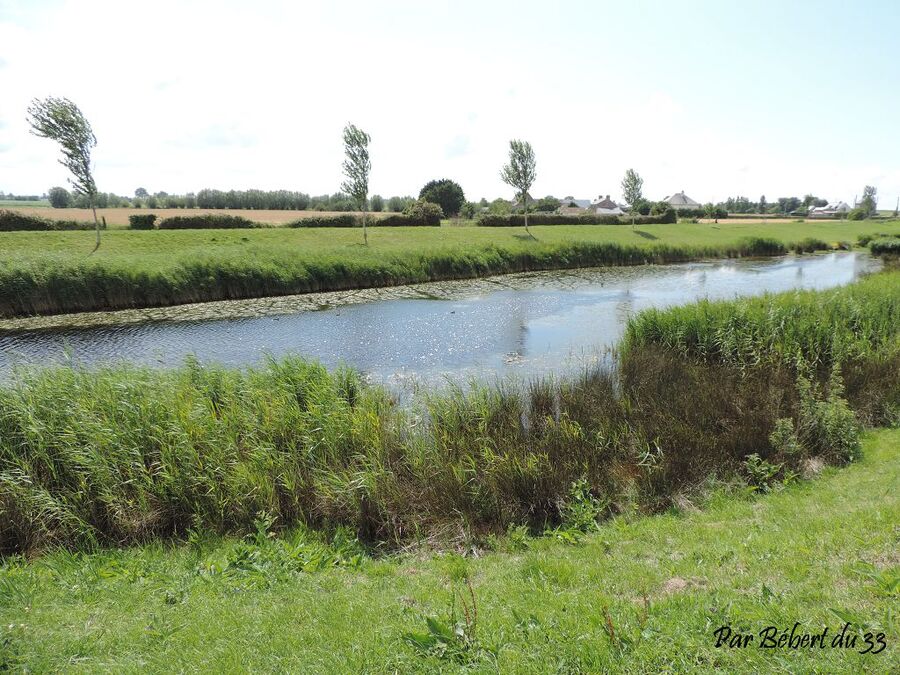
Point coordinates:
[[446, 193], [141, 193], [357, 166], [520, 172], [468, 210], [763, 205], [499, 207], [377, 203], [633, 191], [62, 121], [869, 201], [546, 204], [59, 197], [424, 209]]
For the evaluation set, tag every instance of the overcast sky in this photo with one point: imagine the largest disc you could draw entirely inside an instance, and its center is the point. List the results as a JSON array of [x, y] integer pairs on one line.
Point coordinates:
[[716, 98]]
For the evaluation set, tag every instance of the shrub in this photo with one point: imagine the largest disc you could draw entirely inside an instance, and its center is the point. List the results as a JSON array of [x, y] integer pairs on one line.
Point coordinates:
[[760, 246], [760, 473], [427, 211], [209, 221], [142, 221], [809, 245], [857, 214], [885, 247], [403, 220], [11, 221], [828, 426], [344, 220], [783, 439]]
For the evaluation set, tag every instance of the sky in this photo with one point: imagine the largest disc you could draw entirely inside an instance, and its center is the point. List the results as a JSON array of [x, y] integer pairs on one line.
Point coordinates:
[[775, 98]]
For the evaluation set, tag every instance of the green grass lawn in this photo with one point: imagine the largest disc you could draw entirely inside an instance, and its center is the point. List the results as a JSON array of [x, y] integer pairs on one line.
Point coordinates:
[[157, 248], [639, 595]]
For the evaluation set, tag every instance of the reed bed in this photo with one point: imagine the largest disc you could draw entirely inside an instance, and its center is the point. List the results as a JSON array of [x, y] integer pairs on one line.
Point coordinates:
[[124, 455]]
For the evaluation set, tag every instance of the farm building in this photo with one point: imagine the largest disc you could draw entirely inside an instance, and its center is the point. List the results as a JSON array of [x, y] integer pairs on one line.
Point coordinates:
[[832, 210], [680, 201]]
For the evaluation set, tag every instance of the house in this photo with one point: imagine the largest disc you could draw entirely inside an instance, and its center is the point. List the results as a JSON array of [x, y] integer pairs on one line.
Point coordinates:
[[566, 202], [569, 206], [606, 207], [680, 201], [833, 210]]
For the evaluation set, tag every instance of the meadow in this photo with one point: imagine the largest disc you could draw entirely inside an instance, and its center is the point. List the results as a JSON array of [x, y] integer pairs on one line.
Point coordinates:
[[55, 272]]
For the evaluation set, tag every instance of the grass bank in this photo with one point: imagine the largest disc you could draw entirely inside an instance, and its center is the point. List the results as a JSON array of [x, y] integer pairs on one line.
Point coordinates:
[[125, 455], [54, 272], [638, 595]]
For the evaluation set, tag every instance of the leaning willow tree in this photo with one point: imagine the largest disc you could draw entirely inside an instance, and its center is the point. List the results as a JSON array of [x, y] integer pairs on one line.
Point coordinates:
[[60, 120], [357, 166], [520, 173]]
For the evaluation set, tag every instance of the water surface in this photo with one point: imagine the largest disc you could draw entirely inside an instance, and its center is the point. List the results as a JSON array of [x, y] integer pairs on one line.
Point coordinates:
[[522, 324]]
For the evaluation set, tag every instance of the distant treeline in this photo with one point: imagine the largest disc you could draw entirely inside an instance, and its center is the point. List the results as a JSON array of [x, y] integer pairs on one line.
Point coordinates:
[[278, 200], [21, 198]]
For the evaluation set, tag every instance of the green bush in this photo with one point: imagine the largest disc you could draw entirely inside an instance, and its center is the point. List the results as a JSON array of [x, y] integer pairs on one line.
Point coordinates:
[[343, 220], [809, 245], [827, 426], [885, 247], [209, 221], [403, 220], [857, 214], [427, 212], [11, 221], [144, 221]]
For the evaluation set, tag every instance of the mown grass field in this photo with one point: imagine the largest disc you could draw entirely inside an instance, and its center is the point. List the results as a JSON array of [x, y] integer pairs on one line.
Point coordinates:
[[53, 272], [639, 596]]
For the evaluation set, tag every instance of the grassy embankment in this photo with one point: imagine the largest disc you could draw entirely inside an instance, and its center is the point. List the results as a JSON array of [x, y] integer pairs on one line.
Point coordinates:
[[124, 455], [52, 272], [638, 595]]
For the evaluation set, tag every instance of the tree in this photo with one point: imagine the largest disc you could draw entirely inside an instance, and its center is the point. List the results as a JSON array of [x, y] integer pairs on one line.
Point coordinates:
[[762, 204], [520, 173], [357, 166], [446, 193], [869, 202], [546, 204], [59, 197], [141, 193], [377, 203], [60, 120], [632, 190]]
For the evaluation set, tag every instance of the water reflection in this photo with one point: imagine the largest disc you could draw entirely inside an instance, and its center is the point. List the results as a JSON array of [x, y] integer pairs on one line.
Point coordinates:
[[523, 324]]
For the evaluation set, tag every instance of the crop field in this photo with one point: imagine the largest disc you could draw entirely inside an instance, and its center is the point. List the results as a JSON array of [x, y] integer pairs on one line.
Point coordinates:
[[55, 272], [119, 217]]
